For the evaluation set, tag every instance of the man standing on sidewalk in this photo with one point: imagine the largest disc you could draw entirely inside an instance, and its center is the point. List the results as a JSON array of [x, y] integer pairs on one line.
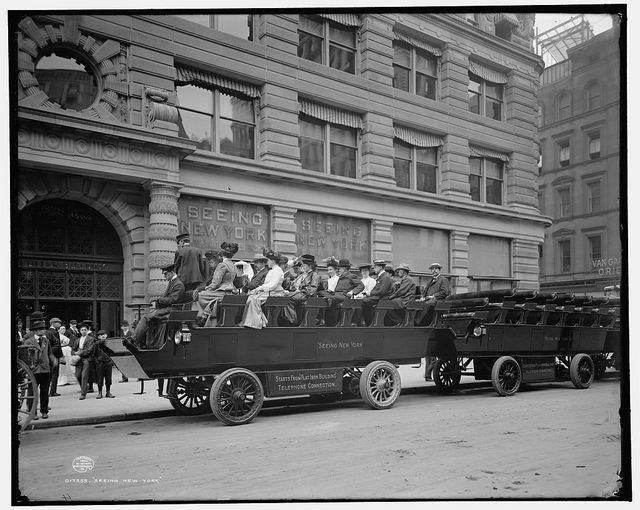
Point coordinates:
[[54, 341], [43, 360], [128, 334]]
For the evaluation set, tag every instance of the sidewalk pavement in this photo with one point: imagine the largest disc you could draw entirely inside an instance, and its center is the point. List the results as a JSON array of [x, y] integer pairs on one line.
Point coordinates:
[[68, 410]]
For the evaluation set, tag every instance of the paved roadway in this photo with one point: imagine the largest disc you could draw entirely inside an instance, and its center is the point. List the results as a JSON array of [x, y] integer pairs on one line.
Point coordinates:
[[547, 441]]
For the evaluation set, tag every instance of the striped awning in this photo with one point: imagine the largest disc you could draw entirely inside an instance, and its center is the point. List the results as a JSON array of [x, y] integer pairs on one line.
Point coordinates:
[[330, 114], [418, 43], [206, 80], [487, 73], [348, 20], [512, 19], [417, 138], [483, 152]]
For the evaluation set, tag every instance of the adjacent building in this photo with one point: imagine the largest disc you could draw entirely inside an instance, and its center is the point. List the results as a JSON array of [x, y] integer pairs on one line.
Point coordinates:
[[580, 168], [406, 137]]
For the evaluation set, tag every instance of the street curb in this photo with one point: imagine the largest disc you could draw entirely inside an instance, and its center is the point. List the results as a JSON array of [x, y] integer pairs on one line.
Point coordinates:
[[95, 420]]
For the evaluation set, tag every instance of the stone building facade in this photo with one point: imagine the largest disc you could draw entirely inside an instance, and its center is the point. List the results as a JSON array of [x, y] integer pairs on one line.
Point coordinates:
[[580, 172], [407, 137]]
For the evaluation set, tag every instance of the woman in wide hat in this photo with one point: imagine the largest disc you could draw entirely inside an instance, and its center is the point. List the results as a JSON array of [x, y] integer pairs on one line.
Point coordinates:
[[221, 284], [253, 316]]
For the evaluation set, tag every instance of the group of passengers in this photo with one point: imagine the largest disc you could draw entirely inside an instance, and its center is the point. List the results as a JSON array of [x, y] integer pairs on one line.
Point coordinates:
[[273, 274]]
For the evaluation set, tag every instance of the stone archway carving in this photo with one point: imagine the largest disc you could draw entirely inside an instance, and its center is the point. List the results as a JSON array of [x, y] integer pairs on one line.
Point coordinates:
[[123, 208], [105, 56]]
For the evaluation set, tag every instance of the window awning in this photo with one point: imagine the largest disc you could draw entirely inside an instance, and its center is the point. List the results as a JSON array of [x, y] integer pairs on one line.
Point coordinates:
[[512, 19], [330, 114], [486, 73], [483, 152], [349, 20], [418, 43], [206, 80], [417, 138]]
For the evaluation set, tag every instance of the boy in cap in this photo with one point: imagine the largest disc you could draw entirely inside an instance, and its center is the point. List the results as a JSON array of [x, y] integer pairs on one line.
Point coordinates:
[[44, 359], [103, 365], [160, 308]]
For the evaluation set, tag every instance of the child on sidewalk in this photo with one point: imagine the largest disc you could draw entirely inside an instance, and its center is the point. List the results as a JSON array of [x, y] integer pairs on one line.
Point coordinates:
[[103, 365]]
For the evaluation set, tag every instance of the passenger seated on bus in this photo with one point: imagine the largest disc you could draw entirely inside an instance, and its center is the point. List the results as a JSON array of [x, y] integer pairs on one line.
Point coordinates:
[[253, 316], [260, 272], [436, 289], [221, 283], [347, 285], [303, 287], [382, 290], [404, 290], [160, 308], [366, 270], [244, 274]]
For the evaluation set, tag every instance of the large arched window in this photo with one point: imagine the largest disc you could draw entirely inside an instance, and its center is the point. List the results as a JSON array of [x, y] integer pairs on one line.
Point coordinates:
[[593, 96], [564, 106]]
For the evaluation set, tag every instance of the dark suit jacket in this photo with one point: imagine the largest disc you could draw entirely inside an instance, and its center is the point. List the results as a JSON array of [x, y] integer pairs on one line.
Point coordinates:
[[348, 282], [258, 278], [405, 291], [172, 295], [383, 286], [54, 341], [190, 265], [87, 348], [44, 357], [437, 287], [72, 335]]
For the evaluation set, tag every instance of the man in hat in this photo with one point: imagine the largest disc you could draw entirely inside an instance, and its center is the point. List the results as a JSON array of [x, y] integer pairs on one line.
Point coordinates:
[[73, 332], [54, 341], [260, 264], [126, 333], [160, 308], [84, 366], [436, 289], [191, 265], [404, 290], [347, 286], [304, 286], [382, 290], [43, 361]]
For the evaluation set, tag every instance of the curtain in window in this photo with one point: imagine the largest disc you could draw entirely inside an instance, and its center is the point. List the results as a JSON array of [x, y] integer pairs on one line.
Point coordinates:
[[489, 256], [418, 43], [349, 20], [486, 73], [330, 114], [206, 80], [417, 138], [482, 152]]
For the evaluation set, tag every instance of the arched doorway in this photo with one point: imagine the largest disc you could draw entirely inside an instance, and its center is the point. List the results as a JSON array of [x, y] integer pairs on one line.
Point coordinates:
[[69, 264]]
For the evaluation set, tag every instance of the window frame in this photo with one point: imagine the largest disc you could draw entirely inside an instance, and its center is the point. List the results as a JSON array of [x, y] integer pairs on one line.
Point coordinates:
[[595, 135], [413, 70], [562, 255], [327, 42], [565, 144], [326, 150], [569, 205], [214, 23], [590, 238], [483, 180], [413, 168], [216, 116], [562, 110], [591, 197], [590, 97], [484, 97]]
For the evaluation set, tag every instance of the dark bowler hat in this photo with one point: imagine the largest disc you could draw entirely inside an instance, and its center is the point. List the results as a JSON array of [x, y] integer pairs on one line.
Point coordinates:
[[259, 257], [405, 267], [169, 267], [37, 316], [102, 332], [344, 263], [308, 259], [38, 325], [73, 322], [435, 264], [180, 237], [379, 262], [55, 319]]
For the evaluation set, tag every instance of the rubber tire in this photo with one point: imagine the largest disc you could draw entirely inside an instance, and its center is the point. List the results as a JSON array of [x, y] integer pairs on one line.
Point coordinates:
[[216, 396], [496, 371], [373, 374], [443, 365], [28, 395], [202, 407], [581, 365]]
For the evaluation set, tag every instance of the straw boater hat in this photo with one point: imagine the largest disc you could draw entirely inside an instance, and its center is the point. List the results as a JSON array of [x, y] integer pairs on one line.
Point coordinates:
[[404, 267], [435, 264], [381, 263]]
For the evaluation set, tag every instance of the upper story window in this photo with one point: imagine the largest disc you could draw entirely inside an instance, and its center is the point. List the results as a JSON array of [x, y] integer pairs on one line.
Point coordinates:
[[564, 202], [594, 145], [327, 42], [217, 112], [564, 106], [595, 248], [415, 66], [486, 175], [67, 79], [486, 91], [565, 153], [240, 25], [564, 251], [594, 98], [415, 159], [594, 191]]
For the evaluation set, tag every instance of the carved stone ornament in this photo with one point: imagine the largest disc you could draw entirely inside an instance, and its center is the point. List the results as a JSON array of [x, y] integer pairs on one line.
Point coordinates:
[[486, 22], [105, 56]]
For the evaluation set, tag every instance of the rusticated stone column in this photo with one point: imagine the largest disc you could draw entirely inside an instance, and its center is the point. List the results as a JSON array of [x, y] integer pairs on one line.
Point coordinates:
[[163, 228], [460, 261], [283, 230], [382, 240]]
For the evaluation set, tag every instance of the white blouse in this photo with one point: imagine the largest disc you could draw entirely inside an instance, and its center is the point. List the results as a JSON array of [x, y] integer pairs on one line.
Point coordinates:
[[273, 280], [332, 282]]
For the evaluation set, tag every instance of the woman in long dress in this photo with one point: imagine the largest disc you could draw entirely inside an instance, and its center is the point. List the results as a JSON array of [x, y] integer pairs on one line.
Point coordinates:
[[67, 373], [253, 316]]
